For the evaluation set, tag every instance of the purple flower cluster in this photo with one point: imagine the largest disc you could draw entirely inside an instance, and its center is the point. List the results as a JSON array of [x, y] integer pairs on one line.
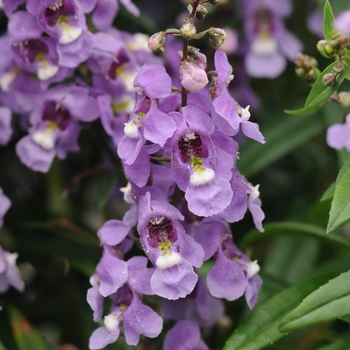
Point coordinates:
[[175, 131]]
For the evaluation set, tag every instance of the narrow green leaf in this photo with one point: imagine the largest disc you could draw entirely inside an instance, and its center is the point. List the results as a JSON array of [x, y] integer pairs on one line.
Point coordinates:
[[328, 20], [105, 186], [340, 344], [285, 134], [330, 301], [304, 111], [261, 328], [295, 228], [340, 207], [26, 337], [320, 92], [329, 193]]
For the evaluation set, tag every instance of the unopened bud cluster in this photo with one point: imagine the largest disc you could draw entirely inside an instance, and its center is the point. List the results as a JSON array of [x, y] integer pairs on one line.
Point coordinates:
[[338, 45], [330, 78], [307, 67]]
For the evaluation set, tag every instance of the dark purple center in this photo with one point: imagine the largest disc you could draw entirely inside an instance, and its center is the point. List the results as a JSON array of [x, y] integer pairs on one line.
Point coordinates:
[[30, 48], [191, 146], [57, 113], [160, 230], [121, 59], [263, 20], [58, 9]]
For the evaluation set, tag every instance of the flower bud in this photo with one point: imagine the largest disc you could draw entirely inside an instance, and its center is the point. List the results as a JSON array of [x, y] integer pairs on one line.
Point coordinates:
[[344, 99], [188, 30], [329, 79], [196, 57], [325, 49], [216, 36], [201, 12], [339, 67], [192, 77], [156, 42]]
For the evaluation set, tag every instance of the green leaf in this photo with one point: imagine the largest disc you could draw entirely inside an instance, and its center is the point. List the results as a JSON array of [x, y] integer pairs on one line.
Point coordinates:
[[340, 344], [329, 193], [285, 134], [2, 347], [304, 111], [26, 337], [261, 328], [320, 92], [330, 301], [328, 20], [105, 186], [340, 207], [346, 318], [294, 228]]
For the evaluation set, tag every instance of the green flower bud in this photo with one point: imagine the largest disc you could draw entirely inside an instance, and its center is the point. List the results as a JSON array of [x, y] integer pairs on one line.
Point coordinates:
[[156, 42], [188, 30], [344, 99], [339, 67], [326, 49], [201, 12], [216, 36]]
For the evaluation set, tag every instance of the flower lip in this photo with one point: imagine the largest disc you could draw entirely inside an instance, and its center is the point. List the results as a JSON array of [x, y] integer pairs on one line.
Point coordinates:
[[31, 48]]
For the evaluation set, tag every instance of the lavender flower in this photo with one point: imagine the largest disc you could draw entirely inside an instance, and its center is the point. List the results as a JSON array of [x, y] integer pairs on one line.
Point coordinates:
[[5, 126], [185, 335], [269, 41], [338, 135], [342, 23], [170, 249]]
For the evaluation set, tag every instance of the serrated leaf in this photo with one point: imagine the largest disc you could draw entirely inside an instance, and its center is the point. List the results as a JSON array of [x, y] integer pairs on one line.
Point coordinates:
[[340, 207], [320, 92], [330, 301], [26, 337], [261, 328], [340, 344], [294, 228], [328, 20], [105, 186]]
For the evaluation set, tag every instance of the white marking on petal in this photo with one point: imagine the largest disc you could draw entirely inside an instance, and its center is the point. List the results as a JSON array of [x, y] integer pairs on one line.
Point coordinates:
[[138, 42], [264, 45], [69, 33], [202, 177], [245, 114], [6, 80], [131, 130], [46, 70], [45, 137], [111, 321], [128, 79], [253, 268], [168, 260]]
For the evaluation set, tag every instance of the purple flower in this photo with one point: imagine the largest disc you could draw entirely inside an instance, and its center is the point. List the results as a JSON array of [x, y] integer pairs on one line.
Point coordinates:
[[199, 306], [201, 168], [185, 335], [170, 249], [192, 77], [5, 126], [5, 204], [233, 274], [55, 127], [342, 22], [127, 308], [10, 5], [9, 274], [338, 135], [269, 42]]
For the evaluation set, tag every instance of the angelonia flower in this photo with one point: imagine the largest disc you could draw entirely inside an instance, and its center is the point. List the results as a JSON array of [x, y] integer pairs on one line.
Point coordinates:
[[175, 130], [9, 273], [269, 42], [342, 23], [338, 135]]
